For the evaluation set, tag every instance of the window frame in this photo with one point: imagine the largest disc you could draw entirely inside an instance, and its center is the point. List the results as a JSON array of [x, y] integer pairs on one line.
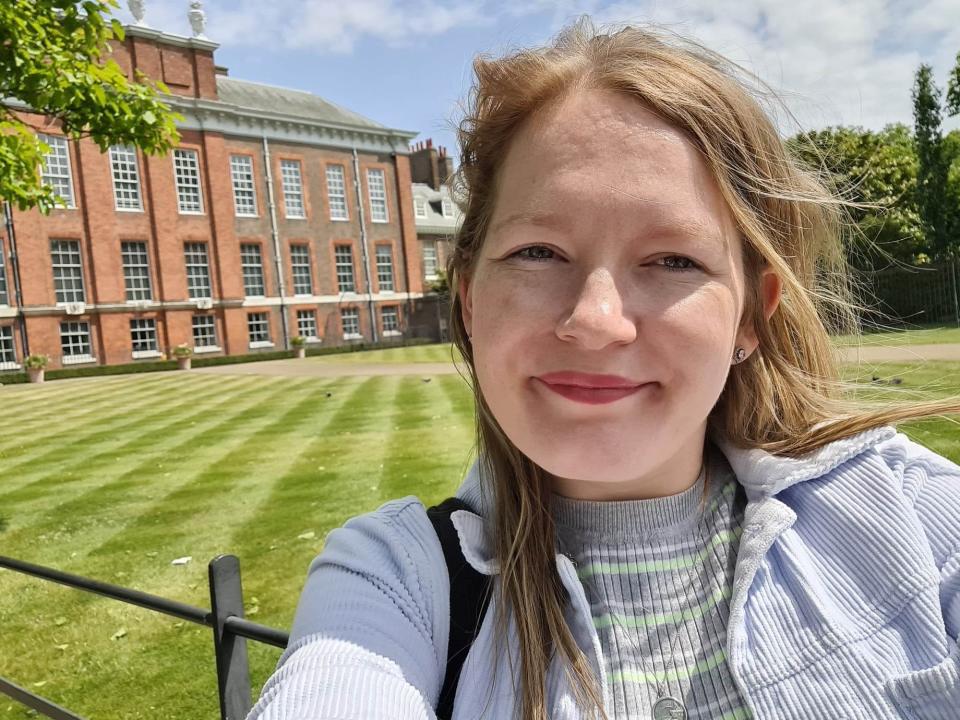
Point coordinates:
[[336, 200], [337, 264], [130, 157], [146, 327], [419, 204], [55, 142], [129, 278], [297, 268], [206, 268], [355, 315], [265, 322], [381, 198], [8, 348], [432, 246], [312, 314], [180, 187], [248, 269], [377, 257], [194, 326], [54, 253], [394, 331], [243, 180], [286, 163], [82, 328]]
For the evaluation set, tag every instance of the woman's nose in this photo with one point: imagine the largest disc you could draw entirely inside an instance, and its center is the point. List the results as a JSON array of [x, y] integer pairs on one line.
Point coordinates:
[[597, 319]]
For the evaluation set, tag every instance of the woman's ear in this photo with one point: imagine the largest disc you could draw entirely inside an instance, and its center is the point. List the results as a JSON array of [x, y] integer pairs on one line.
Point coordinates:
[[466, 304], [771, 288]]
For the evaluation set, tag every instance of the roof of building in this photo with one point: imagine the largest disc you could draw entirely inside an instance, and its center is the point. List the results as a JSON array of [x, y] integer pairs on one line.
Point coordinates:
[[258, 96], [436, 223]]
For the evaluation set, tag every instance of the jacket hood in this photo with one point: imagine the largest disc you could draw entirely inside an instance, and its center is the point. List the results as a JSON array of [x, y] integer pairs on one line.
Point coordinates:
[[761, 473]]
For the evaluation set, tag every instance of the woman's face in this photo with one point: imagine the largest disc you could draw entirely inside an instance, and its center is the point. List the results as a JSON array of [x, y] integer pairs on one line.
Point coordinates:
[[610, 252]]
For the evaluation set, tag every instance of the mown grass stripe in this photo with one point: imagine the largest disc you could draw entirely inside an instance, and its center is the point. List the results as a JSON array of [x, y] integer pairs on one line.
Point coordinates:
[[75, 397], [166, 523], [333, 480], [105, 555], [410, 411], [28, 433], [75, 454], [178, 434], [459, 396], [94, 429], [72, 527]]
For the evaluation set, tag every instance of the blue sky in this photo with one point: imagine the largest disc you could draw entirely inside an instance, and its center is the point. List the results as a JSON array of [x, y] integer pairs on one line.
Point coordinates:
[[406, 63]]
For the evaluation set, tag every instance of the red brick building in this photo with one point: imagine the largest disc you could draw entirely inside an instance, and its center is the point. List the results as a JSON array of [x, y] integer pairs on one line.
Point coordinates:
[[279, 214]]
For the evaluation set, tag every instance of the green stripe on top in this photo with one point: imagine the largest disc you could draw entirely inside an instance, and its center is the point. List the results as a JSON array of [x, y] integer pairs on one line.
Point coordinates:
[[656, 619], [740, 713], [657, 576], [675, 674], [678, 563]]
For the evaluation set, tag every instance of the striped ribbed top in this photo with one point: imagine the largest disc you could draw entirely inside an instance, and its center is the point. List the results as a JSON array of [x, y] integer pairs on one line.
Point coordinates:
[[658, 573]]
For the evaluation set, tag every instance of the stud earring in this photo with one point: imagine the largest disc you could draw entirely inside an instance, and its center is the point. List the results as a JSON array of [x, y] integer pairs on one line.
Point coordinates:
[[739, 356]]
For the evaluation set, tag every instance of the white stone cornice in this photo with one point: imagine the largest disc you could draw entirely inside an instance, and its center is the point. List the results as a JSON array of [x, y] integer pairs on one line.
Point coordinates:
[[214, 116], [168, 39]]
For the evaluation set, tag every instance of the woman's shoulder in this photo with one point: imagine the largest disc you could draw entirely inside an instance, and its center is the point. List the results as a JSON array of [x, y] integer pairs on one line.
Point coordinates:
[[396, 540], [930, 483], [377, 598]]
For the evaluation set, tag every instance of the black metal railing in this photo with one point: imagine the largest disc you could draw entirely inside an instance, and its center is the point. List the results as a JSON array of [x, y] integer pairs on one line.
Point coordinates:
[[230, 630]]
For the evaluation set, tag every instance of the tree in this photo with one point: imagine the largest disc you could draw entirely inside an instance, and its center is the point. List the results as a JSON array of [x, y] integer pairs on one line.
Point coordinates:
[[54, 58], [876, 174], [932, 170]]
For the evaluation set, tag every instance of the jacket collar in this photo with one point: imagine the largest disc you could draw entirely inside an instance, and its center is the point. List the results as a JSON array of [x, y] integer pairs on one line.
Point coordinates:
[[761, 473]]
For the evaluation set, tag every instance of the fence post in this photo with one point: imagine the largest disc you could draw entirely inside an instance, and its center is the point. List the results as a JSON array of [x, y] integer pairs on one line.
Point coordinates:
[[233, 671], [956, 302]]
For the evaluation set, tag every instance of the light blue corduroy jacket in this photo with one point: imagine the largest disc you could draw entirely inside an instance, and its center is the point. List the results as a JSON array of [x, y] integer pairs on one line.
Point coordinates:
[[846, 599]]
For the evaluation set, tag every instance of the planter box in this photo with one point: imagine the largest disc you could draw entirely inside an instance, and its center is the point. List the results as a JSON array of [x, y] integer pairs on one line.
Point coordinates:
[[301, 352], [35, 375], [183, 363]]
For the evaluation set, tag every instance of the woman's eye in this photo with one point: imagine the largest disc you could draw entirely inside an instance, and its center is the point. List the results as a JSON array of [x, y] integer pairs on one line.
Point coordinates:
[[678, 263], [534, 252]]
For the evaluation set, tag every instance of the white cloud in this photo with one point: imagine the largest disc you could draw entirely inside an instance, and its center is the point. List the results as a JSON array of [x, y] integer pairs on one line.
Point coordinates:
[[832, 62], [325, 26]]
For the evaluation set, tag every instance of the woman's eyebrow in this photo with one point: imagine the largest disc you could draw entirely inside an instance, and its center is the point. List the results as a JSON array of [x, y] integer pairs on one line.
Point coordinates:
[[683, 228], [550, 220]]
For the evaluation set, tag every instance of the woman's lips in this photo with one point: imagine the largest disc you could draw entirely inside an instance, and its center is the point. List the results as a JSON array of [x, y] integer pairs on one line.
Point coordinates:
[[595, 393]]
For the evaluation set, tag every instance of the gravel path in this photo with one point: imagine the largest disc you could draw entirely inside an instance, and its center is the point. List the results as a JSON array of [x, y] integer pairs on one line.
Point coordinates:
[[902, 353], [311, 368]]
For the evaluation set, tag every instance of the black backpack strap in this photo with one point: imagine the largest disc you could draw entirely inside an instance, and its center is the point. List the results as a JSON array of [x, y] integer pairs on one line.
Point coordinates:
[[469, 597]]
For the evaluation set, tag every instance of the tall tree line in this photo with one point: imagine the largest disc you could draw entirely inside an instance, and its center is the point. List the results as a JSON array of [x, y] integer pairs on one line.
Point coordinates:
[[902, 187]]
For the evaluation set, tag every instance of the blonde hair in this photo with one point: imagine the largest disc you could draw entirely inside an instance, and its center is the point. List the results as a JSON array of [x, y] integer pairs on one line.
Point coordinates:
[[787, 398]]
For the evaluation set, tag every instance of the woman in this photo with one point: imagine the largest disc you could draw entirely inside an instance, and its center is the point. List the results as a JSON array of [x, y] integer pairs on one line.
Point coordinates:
[[679, 514]]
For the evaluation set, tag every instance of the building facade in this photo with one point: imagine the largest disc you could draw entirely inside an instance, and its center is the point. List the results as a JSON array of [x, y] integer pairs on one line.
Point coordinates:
[[279, 214]]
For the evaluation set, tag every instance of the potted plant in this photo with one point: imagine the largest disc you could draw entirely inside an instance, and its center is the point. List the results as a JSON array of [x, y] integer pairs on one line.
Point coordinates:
[[299, 345], [182, 353], [35, 365]]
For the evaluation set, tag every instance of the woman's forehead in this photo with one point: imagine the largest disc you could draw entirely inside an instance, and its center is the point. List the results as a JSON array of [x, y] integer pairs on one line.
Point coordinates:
[[605, 153]]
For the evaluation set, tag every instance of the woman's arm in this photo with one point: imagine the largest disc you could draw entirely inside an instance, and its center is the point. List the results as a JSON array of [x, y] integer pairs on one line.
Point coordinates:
[[932, 483], [369, 639]]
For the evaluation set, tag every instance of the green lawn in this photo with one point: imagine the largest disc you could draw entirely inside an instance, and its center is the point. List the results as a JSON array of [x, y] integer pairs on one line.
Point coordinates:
[[114, 478]]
